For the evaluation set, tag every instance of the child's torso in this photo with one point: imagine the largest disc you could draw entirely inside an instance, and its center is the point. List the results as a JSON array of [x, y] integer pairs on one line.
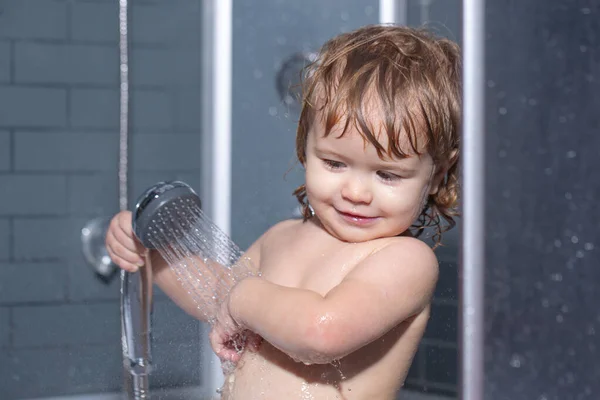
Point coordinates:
[[301, 255]]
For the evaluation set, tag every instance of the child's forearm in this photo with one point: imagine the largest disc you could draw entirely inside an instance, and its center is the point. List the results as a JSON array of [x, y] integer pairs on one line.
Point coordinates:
[[293, 320], [166, 279]]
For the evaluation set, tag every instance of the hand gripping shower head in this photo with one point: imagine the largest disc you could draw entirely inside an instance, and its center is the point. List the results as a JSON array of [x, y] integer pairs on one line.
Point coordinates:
[[167, 206]]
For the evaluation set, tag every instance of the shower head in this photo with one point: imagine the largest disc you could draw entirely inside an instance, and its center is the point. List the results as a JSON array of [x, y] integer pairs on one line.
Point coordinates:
[[165, 198]]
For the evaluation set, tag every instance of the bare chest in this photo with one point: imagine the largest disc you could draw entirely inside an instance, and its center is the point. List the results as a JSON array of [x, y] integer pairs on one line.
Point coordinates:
[[310, 260]]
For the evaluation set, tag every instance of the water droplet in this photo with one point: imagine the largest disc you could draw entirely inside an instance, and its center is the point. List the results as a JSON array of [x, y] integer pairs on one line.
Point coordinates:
[[491, 84], [574, 239], [560, 318], [502, 111], [272, 111], [589, 246], [586, 11], [571, 154], [545, 303], [557, 243], [516, 361], [568, 196], [557, 277]]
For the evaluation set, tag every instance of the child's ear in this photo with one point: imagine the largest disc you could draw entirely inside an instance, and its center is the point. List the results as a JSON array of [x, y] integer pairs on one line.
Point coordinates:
[[441, 171]]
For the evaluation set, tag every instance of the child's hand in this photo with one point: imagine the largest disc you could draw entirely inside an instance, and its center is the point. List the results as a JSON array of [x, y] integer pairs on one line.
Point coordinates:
[[123, 247], [228, 339]]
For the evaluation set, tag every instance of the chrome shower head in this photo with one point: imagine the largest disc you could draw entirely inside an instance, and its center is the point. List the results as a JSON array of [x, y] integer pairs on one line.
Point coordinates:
[[162, 197]]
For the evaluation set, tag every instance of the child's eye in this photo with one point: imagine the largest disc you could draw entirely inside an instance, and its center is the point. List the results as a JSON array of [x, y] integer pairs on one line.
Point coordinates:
[[388, 176], [333, 164]]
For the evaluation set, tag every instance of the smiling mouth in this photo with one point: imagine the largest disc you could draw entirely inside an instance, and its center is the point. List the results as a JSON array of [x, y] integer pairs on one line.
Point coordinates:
[[355, 218]]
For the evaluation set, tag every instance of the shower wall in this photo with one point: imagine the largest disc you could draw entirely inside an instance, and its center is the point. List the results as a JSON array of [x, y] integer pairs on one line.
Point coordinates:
[[59, 115]]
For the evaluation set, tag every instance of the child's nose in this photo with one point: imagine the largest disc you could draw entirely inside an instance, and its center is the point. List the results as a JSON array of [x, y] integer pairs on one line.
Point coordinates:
[[357, 191]]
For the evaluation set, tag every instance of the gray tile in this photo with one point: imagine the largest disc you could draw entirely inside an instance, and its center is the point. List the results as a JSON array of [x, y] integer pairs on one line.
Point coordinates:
[[17, 103], [32, 373], [176, 364], [188, 101], [95, 368], [171, 323], [5, 60], [152, 109], [66, 152], [447, 285], [164, 152], [94, 21], [33, 195], [49, 21], [67, 324], [443, 323], [167, 67], [95, 108], [95, 194], [5, 235], [45, 238], [441, 365], [173, 23], [85, 285], [27, 283], [4, 327], [65, 63], [5, 151]]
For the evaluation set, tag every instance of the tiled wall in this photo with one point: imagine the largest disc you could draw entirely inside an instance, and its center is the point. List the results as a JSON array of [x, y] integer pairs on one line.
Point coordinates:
[[59, 115]]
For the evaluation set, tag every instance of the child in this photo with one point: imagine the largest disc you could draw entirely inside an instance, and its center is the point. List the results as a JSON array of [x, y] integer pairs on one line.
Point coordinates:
[[343, 296]]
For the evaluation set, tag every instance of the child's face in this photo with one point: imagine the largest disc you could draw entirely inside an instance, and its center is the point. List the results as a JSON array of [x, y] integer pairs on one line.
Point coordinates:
[[356, 195]]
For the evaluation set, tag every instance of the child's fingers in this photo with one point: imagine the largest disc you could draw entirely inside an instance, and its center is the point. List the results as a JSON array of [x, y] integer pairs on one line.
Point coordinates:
[[222, 347], [121, 262], [122, 250], [253, 341], [125, 238]]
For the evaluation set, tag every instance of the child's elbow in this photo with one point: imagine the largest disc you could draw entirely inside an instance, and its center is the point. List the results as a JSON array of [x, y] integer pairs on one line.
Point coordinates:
[[326, 340]]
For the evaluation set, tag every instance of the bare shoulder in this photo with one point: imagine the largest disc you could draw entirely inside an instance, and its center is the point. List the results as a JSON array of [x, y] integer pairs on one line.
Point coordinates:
[[413, 249], [281, 232], [416, 254], [402, 258], [256, 249]]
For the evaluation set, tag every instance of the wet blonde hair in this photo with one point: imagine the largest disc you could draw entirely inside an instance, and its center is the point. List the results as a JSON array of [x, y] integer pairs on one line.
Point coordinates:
[[414, 78]]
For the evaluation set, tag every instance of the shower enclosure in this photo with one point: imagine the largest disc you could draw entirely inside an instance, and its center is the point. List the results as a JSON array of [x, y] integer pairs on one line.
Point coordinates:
[[205, 109]]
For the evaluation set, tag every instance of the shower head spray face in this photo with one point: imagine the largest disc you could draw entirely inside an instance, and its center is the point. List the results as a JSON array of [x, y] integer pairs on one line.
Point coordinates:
[[166, 206]]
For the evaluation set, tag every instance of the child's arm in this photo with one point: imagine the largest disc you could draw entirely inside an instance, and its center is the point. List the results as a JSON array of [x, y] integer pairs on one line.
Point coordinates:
[[385, 289], [128, 253]]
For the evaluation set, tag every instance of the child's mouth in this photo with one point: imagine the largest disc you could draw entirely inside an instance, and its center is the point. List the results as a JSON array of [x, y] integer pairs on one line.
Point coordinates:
[[356, 219]]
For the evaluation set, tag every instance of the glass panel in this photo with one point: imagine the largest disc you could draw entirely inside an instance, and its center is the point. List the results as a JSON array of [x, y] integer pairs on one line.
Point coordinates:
[[541, 208], [435, 369], [59, 138]]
